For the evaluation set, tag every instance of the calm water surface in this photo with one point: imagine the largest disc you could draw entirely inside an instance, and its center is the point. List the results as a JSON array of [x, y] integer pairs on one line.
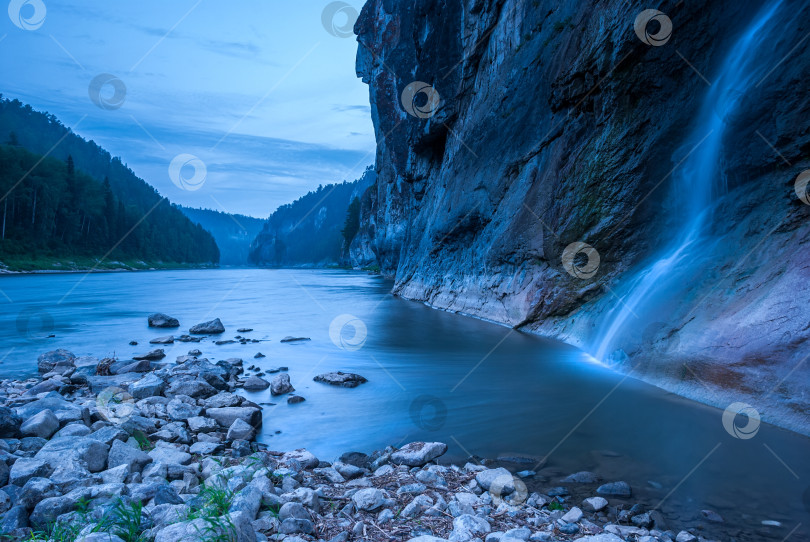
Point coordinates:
[[482, 388]]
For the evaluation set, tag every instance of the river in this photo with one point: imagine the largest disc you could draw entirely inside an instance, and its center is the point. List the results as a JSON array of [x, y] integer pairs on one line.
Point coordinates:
[[484, 389]]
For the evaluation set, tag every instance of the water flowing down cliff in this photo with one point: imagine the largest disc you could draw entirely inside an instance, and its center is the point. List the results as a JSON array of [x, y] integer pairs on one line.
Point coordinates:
[[697, 180], [616, 177]]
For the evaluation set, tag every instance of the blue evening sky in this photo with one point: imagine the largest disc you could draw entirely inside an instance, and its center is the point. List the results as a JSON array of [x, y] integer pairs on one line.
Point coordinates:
[[258, 90]]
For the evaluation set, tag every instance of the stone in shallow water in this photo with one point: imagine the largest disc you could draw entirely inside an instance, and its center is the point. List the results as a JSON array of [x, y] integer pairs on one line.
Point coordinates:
[[255, 383], [339, 378], [159, 319], [291, 339], [582, 477], [615, 489], [208, 328], [281, 385]]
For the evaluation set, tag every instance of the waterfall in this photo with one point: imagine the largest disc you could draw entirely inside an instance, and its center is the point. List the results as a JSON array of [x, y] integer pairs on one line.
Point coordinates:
[[696, 183]]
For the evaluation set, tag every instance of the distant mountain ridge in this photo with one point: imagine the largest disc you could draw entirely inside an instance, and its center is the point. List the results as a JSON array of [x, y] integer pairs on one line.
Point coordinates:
[[81, 202], [233, 233], [309, 231]]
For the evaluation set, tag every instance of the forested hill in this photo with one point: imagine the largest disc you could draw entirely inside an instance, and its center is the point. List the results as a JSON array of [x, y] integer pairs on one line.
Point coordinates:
[[80, 204], [232, 232], [315, 229]]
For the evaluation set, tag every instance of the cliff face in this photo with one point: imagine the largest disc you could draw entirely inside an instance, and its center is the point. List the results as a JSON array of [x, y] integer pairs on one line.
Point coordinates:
[[550, 123]]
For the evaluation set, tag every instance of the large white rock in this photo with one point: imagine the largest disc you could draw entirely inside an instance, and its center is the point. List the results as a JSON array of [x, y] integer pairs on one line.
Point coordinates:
[[417, 454]]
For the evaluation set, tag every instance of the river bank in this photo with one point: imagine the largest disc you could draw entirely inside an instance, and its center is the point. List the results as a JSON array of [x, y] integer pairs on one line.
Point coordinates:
[[166, 451], [87, 265]]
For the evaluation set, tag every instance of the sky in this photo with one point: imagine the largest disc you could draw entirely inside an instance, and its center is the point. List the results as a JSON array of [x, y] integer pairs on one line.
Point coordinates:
[[254, 103]]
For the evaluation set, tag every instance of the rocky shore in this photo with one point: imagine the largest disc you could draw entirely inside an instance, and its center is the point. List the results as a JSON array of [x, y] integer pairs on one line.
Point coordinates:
[[149, 450]]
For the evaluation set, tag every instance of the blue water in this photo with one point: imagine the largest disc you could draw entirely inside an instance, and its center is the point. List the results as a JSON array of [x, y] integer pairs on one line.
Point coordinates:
[[481, 388], [697, 183]]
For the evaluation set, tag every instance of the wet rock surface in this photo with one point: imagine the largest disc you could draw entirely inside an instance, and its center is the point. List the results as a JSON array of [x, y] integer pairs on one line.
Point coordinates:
[[555, 125]]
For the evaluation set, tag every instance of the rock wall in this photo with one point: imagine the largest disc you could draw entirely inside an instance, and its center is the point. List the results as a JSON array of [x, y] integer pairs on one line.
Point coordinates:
[[557, 124]]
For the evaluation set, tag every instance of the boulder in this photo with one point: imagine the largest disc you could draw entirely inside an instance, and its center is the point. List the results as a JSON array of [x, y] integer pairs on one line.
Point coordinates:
[[500, 479], [417, 454], [281, 385], [15, 518], [48, 361], [167, 495], [293, 510], [302, 456], [159, 319], [148, 386], [235, 527], [193, 387], [291, 339], [47, 510], [180, 410], [225, 416], [169, 454], [223, 399], [296, 526], [241, 430], [76, 429], [9, 423], [208, 328], [43, 425], [582, 477], [90, 453], [166, 339], [255, 383], [339, 378], [35, 490], [64, 410], [615, 489], [368, 499], [594, 504], [471, 525], [200, 424], [154, 355], [26, 468], [122, 453]]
